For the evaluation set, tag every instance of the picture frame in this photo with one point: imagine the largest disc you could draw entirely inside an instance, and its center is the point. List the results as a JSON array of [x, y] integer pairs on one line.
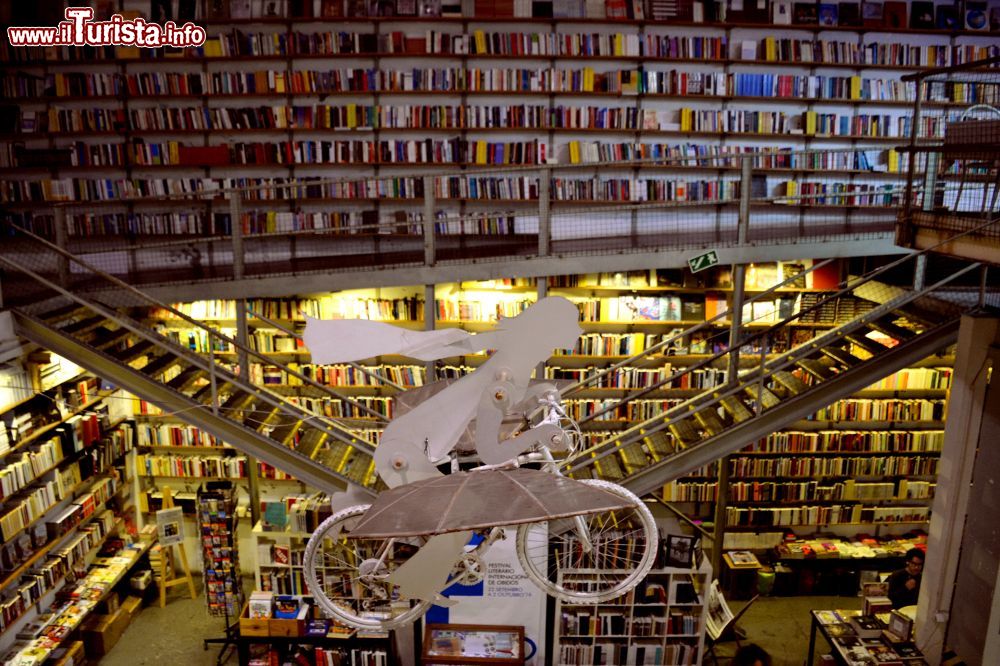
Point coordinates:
[[170, 526], [473, 644], [679, 551]]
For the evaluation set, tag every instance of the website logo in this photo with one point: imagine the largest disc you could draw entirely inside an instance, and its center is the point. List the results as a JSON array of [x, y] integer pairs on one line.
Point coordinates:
[[79, 29]]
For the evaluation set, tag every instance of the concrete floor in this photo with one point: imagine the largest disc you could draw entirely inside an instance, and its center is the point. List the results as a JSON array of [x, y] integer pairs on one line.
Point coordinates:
[[170, 635], [781, 625], [173, 635]]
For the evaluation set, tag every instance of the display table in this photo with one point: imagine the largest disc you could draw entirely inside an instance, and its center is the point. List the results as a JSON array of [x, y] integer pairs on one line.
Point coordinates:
[[285, 644], [850, 650], [739, 576]]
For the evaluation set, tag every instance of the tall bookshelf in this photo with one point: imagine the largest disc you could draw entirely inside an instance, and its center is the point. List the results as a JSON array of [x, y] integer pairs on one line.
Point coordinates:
[[384, 101], [64, 482], [662, 621]]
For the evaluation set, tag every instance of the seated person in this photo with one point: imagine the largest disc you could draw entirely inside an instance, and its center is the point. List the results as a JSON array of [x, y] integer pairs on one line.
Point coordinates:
[[904, 585]]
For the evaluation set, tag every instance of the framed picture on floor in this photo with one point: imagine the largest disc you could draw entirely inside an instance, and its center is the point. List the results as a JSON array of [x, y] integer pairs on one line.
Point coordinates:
[[680, 551]]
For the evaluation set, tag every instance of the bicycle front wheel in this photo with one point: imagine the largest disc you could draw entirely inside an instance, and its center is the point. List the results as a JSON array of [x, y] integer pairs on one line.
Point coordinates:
[[623, 548], [347, 576]]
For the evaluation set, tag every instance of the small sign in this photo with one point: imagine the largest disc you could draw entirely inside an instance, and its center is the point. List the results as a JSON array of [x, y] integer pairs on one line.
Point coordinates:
[[703, 261], [170, 526]]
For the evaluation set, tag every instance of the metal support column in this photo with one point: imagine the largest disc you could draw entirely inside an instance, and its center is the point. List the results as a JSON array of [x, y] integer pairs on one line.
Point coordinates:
[[239, 268], [61, 238], [430, 248], [544, 213], [732, 377], [430, 321]]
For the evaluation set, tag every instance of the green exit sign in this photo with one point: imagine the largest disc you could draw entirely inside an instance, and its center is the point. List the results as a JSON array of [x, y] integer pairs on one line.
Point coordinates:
[[703, 261]]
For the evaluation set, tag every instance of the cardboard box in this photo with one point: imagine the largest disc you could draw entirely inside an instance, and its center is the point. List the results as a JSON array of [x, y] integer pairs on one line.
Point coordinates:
[[132, 606], [110, 605], [101, 632], [252, 626], [290, 627], [69, 654]]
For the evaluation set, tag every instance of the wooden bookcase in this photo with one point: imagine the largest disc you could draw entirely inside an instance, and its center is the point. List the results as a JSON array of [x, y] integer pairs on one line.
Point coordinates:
[[64, 474], [661, 622]]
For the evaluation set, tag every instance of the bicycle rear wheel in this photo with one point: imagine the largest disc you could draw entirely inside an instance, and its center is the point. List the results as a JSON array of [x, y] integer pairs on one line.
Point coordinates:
[[624, 547], [347, 576]]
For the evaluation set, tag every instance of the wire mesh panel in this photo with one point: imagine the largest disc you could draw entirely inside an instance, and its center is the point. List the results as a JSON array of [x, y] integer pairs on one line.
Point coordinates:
[[954, 162]]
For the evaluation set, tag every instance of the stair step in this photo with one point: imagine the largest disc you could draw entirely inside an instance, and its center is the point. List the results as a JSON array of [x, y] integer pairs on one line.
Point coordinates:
[[685, 432], [842, 356], [236, 401], [739, 411], [892, 330], [131, 353], [358, 467], [286, 431], [333, 457], [83, 325], [817, 368], [660, 444], [633, 457], [187, 376], [767, 399], [259, 417], [794, 385], [710, 421], [62, 312], [160, 364], [310, 443], [106, 340], [204, 395], [860, 339]]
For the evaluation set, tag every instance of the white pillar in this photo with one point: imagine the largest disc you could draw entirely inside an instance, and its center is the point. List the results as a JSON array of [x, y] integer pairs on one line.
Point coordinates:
[[966, 403]]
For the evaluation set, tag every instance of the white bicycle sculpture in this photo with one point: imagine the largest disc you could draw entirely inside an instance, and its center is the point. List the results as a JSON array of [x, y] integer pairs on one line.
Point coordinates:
[[380, 566]]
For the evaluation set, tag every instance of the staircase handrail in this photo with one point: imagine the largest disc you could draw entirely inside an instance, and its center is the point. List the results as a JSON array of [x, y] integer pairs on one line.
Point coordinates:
[[848, 287], [712, 394], [715, 395], [330, 426]]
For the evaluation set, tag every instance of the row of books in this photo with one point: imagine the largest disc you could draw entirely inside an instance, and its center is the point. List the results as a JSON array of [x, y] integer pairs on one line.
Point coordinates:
[[841, 194], [860, 546], [199, 466], [852, 466], [68, 560], [598, 45], [23, 539], [471, 116], [454, 79], [636, 378], [853, 441], [855, 409], [616, 653], [609, 623], [484, 188], [165, 434], [812, 491], [847, 514], [68, 614], [17, 473]]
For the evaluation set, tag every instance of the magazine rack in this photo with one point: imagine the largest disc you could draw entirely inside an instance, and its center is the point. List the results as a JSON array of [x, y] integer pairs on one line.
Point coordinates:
[[472, 644]]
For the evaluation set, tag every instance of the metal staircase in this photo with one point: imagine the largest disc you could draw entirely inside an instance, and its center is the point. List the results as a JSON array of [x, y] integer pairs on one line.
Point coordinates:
[[892, 329], [87, 321], [769, 391]]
